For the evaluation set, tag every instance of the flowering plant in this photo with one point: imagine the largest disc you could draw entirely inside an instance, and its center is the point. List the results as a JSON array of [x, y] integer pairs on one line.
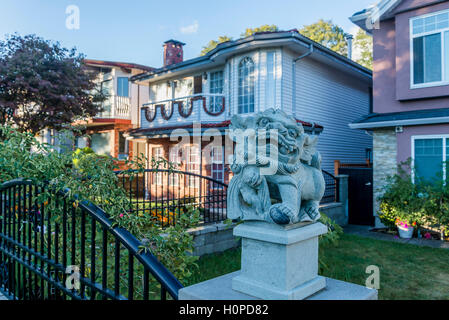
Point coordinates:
[[405, 223]]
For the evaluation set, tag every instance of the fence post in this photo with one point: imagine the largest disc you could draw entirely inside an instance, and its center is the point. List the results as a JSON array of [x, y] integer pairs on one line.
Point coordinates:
[[343, 193], [336, 167]]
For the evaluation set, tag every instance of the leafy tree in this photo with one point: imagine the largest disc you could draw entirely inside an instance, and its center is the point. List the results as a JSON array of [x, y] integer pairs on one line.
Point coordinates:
[[328, 34], [363, 46], [214, 43], [43, 85], [264, 28]]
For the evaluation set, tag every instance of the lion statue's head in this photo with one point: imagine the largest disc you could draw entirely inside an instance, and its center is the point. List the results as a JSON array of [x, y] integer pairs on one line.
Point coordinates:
[[289, 142]]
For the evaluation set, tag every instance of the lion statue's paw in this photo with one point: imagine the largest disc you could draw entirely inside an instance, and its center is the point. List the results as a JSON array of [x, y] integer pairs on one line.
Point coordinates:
[[281, 213], [309, 213]]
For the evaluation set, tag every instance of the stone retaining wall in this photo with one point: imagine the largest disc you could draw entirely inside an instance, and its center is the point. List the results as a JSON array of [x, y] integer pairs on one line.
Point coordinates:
[[214, 238], [336, 211], [219, 237]]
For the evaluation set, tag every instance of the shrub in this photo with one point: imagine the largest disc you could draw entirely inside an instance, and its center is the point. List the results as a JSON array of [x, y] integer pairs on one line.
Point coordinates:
[[423, 202], [91, 177], [402, 199], [334, 233], [329, 239]]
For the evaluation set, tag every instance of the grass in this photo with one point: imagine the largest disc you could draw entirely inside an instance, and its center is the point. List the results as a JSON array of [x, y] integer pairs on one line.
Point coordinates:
[[406, 271]]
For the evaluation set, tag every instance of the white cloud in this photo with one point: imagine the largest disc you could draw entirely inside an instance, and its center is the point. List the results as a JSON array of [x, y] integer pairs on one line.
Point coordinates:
[[190, 29]]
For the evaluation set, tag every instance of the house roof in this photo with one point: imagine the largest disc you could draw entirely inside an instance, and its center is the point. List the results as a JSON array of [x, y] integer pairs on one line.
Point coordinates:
[[160, 132], [229, 48], [124, 65], [417, 117], [367, 18]]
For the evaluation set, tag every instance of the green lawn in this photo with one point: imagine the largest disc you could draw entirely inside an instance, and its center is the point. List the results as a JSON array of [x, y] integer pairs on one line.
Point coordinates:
[[406, 271]]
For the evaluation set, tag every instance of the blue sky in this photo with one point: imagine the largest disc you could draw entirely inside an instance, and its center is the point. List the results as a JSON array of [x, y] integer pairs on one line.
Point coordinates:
[[134, 30]]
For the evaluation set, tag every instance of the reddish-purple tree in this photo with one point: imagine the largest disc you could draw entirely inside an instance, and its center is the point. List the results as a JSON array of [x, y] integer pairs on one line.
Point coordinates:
[[43, 85]]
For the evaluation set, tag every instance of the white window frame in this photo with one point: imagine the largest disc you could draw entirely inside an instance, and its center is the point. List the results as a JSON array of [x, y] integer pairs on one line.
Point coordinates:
[[444, 81], [250, 76], [270, 80], [215, 100], [217, 161], [193, 181], [444, 137], [158, 179], [174, 158], [119, 94]]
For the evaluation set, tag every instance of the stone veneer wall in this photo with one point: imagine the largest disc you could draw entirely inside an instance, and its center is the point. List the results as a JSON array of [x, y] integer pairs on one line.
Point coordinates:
[[384, 164]]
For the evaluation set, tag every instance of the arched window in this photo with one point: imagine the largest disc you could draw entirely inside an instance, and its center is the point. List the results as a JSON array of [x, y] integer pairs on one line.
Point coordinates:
[[246, 86]]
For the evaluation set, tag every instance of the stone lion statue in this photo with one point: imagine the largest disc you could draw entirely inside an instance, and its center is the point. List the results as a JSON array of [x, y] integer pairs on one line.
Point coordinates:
[[292, 191]]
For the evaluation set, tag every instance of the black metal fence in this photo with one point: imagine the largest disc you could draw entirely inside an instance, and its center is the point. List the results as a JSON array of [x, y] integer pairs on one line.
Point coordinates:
[[166, 194], [71, 251], [331, 193]]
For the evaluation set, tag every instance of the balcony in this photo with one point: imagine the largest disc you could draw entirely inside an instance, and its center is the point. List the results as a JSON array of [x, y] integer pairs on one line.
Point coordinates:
[[184, 110], [116, 107]]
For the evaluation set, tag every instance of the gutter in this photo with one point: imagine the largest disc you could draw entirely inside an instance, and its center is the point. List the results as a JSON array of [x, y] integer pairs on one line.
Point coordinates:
[[228, 47], [394, 123]]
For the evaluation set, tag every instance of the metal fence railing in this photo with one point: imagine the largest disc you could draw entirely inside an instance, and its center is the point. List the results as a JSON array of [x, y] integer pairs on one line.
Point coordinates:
[[167, 194], [331, 193], [72, 251]]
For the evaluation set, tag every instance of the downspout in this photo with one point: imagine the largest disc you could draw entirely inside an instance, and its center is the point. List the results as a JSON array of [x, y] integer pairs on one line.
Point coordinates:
[[138, 106], [308, 53]]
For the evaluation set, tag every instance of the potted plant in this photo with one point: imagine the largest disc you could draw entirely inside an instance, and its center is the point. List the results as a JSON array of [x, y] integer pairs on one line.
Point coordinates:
[[405, 228]]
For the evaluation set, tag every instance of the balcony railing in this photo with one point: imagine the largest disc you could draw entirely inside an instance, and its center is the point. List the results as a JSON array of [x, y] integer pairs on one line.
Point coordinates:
[[195, 107], [116, 107]]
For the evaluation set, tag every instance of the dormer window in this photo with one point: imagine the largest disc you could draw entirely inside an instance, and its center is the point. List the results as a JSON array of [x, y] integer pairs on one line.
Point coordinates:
[[430, 50]]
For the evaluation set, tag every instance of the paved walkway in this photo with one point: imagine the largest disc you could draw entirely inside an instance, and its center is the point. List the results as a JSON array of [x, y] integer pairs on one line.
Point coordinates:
[[364, 231]]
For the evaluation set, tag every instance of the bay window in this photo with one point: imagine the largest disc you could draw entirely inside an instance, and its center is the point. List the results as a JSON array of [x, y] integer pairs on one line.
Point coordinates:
[[247, 81], [270, 84], [430, 49]]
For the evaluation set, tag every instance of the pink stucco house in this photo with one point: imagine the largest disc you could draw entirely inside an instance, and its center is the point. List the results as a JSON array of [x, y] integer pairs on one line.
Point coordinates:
[[410, 116]]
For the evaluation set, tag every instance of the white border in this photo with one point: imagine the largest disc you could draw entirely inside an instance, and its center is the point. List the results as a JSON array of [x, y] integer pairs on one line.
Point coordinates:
[[430, 136], [444, 81]]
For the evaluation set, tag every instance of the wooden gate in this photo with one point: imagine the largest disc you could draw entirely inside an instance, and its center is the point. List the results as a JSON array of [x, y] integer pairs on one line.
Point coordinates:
[[360, 195]]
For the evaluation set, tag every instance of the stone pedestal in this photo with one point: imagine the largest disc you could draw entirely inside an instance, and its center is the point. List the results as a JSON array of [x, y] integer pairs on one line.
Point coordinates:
[[279, 262]]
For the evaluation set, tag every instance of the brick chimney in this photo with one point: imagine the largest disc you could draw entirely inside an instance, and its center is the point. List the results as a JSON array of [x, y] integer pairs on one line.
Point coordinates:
[[173, 52]]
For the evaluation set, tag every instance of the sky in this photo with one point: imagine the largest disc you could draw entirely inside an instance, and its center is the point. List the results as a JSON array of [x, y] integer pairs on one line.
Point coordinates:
[[134, 30]]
